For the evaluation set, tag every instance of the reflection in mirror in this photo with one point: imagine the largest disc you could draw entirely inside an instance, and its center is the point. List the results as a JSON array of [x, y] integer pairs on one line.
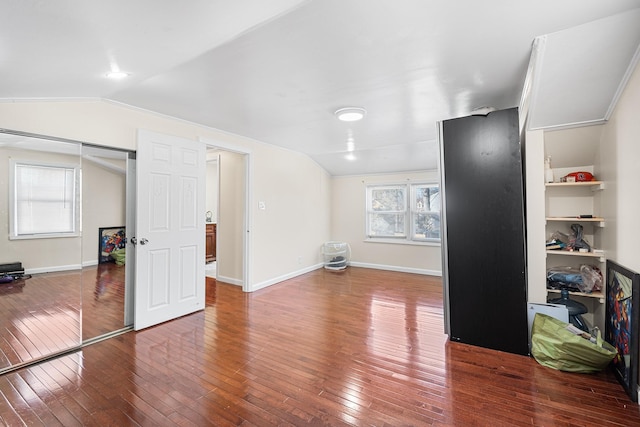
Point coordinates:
[[60, 285], [40, 248], [104, 237]]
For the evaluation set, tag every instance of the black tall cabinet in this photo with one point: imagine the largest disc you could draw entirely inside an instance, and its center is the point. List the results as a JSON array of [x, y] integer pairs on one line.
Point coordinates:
[[484, 248]]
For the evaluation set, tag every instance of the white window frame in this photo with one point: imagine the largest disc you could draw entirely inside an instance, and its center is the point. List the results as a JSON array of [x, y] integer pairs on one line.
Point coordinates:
[[14, 228], [409, 211]]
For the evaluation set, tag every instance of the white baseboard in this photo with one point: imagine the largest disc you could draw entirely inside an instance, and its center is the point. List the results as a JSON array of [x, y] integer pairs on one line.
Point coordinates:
[[284, 277], [397, 268], [58, 268], [293, 274], [229, 280], [53, 269]]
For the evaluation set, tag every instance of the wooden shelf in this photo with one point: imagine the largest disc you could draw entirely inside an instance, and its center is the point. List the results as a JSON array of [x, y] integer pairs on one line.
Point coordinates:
[[597, 185], [576, 253], [598, 294], [574, 219], [597, 221]]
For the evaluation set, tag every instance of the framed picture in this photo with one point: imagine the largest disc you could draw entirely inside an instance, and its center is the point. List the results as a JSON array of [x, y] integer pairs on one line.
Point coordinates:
[[109, 240], [621, 324]]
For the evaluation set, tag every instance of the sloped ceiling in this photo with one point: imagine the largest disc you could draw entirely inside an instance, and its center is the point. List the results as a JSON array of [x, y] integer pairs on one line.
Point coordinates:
[[581, 71], [276, 71]]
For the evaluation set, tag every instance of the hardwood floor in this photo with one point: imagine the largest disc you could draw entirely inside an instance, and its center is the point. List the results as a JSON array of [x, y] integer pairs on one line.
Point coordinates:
[[358, 347], [39, 316], [102, 299], [44, 314]]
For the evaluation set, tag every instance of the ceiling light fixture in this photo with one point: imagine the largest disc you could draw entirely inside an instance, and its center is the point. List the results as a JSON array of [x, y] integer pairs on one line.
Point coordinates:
[[117, 75], [350, 114]]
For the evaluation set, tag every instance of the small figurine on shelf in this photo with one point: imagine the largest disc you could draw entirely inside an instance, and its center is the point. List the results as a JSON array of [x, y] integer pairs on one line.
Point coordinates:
[[548, 172]]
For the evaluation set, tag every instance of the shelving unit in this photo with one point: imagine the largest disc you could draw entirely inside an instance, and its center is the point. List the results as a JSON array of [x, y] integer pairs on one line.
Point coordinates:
[[567, 203]]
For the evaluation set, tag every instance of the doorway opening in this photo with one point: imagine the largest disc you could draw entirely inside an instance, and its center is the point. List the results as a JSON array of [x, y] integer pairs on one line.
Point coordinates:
[[228, 186]]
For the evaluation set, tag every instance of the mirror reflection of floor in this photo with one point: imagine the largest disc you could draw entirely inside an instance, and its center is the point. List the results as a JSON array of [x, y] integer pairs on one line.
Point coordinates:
[[102, 299], [41, 315]]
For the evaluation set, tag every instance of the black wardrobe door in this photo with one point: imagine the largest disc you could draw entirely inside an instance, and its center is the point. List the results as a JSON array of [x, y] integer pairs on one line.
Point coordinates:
[[485, 231]]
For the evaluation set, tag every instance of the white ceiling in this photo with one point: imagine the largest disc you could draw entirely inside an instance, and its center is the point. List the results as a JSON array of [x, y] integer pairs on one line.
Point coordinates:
[[276, 71]]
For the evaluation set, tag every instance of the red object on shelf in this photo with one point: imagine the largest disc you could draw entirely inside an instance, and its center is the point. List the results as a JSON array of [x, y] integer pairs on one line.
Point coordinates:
[[581, 176]]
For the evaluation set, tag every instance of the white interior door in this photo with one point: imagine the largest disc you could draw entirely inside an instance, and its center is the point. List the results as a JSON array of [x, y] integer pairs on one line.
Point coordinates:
[[170, 228]]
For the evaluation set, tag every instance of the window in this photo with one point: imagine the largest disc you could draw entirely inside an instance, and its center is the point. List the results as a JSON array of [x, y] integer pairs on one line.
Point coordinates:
[[44, 200], [425, 212], [409, 212]]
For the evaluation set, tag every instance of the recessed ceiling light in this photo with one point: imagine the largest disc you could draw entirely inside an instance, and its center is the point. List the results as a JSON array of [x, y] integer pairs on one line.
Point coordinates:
[[350, 114], [116, 75]]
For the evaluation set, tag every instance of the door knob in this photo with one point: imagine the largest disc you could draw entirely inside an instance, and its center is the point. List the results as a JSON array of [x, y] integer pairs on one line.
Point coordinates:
[[143, 241]]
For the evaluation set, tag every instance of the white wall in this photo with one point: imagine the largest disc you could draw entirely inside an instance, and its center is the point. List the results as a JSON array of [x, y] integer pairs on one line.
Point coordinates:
[[285, 237], [348, 209], [103, 205], [295, 221], [229, 231], [536, 233], [620, 170]]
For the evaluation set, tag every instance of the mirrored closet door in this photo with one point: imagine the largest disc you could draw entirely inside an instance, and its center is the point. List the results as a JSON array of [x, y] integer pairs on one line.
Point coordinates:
[[62, 249]]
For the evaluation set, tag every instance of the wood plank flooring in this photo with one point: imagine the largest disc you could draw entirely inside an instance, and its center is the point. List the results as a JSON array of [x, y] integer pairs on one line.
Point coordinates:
[[103, 296], [44, 314], [39, 316], [358, 347]]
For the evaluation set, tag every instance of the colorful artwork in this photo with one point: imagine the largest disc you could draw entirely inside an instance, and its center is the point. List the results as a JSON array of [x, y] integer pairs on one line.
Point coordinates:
[[622, 323], [110, 239]]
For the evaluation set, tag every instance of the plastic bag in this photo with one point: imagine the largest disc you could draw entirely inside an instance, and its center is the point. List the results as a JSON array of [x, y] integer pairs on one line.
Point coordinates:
[[591, 278], [562, 277], [587, 278], [119, 256], [554, 345]]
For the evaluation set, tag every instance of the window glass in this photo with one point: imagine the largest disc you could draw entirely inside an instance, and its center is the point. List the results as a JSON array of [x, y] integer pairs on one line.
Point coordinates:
[[425, 212], [404, 211], [387, 211]]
